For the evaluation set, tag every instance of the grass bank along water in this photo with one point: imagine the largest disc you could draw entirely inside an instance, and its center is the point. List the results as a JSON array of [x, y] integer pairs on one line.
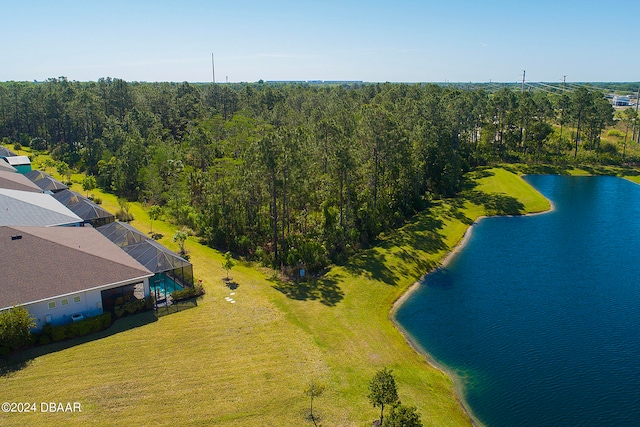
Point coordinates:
[[248, 363], [559, 316], [356, 335]]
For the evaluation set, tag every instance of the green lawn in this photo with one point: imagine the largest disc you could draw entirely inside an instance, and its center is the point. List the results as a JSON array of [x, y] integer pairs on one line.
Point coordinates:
[[248, 363]]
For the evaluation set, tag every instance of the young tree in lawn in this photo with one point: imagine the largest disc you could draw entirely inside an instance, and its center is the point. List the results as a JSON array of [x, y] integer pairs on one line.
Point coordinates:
[[154, 213], [89, 183], [180, 238], [228, 262], [314, 389], [383, 391], [63, 169]]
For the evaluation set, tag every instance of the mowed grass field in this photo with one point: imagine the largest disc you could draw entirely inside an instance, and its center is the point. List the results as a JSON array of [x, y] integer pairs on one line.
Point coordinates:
[[247, 363]]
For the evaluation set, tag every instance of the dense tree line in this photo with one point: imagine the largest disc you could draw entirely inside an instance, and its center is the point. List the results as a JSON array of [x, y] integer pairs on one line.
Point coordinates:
[[294, 174]]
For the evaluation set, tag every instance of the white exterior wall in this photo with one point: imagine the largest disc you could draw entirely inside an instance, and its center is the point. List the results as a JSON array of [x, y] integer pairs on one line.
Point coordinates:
[[90, 304]]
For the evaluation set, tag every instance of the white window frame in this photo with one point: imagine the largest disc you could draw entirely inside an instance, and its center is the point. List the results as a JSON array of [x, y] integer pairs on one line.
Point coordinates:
[[77, 299], [64, 302], [52, 305]]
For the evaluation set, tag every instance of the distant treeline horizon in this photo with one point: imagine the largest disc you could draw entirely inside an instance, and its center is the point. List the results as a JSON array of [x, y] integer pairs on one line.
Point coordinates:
[[612, 86], [299, 174]]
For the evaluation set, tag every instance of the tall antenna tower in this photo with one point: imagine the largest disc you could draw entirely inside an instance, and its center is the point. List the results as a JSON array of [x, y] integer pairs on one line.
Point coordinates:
[[213, 69]]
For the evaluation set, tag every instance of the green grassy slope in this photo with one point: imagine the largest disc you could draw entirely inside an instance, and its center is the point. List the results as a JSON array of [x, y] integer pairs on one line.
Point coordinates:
[[248, 363]]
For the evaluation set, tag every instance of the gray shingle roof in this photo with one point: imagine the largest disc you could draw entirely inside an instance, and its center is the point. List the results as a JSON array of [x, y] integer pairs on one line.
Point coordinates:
[[45, 181], [17, 181], [5, 166], [33, 209], [48, 262], [82, 206]]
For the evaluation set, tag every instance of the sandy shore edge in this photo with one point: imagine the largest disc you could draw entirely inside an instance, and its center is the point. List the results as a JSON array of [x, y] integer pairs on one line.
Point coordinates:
[[458, 387]]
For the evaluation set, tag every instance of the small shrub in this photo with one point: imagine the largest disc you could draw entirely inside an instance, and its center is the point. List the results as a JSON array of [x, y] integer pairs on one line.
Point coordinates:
[[124, 216], [187, 293], [134, 306], [131, 307], [105, 318], [17, 146], [79, 329], [616, 133], [72, 330], [182, 294], [96, 199], [157, 236], [46, 330], [58, 333], [96, 324]]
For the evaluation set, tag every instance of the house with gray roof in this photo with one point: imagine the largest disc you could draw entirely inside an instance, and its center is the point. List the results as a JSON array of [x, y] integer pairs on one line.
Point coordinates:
[[45, 181], [90, 212], [23, 208], [17, 181], [60, 272]]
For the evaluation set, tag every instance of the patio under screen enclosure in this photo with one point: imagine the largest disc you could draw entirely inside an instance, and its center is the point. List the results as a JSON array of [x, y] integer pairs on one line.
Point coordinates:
[[172, 272]]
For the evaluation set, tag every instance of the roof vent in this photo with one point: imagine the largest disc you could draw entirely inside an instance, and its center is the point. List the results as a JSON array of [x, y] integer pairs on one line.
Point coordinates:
[[16, 237]]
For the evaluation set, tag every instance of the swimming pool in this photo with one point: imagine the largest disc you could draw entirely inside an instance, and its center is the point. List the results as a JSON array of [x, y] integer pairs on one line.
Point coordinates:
[[162, 285]]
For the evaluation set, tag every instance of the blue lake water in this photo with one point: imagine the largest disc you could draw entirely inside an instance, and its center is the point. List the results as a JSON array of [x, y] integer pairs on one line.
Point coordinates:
[[539, 316]]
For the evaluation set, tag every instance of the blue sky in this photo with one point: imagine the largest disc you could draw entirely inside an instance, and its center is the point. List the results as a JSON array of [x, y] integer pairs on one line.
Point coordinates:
[[377, 41]]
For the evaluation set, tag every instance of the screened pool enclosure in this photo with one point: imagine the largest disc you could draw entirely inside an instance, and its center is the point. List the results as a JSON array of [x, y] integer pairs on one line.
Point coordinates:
[[172, 272]]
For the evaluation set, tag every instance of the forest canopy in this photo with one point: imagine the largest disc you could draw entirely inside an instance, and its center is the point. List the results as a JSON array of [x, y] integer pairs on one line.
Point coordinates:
[[296, 174]]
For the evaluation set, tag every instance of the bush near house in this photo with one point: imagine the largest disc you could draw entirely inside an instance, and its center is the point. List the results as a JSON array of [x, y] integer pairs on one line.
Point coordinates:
[[187, 293], [131, 307], [77, 329], [15, 324]]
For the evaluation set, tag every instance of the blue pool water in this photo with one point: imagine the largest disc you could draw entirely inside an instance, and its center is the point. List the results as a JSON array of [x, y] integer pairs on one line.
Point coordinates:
[[539, 315], [162, 285]]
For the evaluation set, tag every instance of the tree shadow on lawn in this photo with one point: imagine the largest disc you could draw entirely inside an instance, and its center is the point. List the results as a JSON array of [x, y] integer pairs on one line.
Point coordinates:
[[323, 289], [23, 359], [230, 283], [408, 244], [546, 169], [493, 203]]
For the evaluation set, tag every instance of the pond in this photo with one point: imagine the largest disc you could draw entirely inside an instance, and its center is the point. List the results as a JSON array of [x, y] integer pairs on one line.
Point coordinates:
[[538, 315]]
